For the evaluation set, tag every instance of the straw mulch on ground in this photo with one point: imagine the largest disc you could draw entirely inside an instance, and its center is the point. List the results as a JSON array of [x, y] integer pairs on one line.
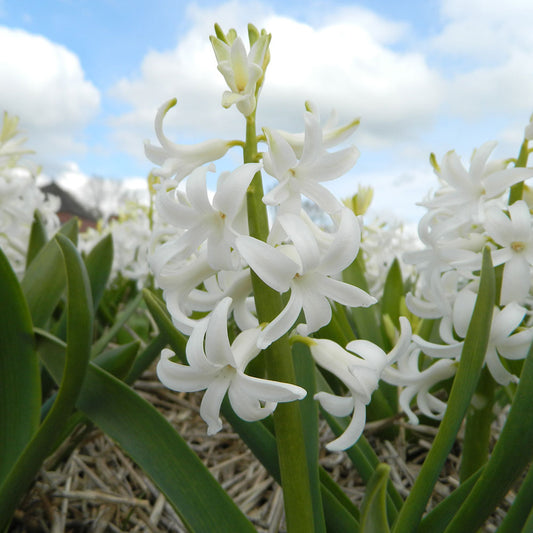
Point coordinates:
[[96, 488]]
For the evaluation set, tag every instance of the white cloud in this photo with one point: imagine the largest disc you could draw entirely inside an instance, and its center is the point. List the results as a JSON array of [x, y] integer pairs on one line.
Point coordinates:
[[44, 84], [488, 52], [346, 61]]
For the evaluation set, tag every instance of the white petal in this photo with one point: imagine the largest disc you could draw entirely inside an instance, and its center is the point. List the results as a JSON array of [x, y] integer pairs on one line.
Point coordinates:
[[249, 408], [281, 156], [500, 374], [232, 186], [344, 293], [268, 390], [506, 321], [516, 346], [244, 347], [217, 347], [317, 312], [516, 280], [179, 377], [197, 190], [335, 405], [322, 197], [303, 240], [352, 432], [271, 265], [211, 402], [283, 322], [345, 244]]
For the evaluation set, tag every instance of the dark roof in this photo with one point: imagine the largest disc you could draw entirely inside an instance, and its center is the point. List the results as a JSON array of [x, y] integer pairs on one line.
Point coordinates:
[[69, 204]]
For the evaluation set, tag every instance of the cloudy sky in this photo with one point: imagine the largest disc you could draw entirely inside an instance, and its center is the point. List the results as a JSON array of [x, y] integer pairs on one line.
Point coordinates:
[[86, 77]]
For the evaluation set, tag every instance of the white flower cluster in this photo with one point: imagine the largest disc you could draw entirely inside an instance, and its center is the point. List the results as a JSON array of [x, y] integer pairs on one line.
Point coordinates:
[[20, 197], [472, 209], [131, 242], [205, 268]]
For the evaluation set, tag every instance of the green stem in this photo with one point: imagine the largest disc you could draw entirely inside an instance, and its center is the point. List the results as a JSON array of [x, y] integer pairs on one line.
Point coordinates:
[[478, 428], [279, 367]]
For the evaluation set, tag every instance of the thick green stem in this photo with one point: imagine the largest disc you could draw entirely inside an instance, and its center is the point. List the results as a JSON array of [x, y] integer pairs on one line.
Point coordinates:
[[279, 366], [478, 427]]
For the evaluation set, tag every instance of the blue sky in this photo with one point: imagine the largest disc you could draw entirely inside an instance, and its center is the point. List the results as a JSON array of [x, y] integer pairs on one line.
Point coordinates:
[[86, 77]]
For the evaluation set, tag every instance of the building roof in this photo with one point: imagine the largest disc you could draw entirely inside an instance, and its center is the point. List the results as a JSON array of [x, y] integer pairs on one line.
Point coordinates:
[[69, 204]]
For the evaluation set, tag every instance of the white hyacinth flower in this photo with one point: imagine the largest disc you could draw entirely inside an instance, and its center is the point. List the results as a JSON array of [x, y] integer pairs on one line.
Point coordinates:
[[301, 174], [515, 236], [180, 160], [505, 339], [360, 373], [218, 367], [218, 222], [307, 272]]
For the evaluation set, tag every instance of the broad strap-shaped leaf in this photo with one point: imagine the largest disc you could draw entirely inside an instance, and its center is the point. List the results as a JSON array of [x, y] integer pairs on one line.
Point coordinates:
[[144, 434], [463, 388], [365, 318], [44, 280], [121, 319], [20, 385], [38, 238], [79, 333], [374, 506], [393, 291], [442, 514], [521, 509], [99, 262], [510, 457]]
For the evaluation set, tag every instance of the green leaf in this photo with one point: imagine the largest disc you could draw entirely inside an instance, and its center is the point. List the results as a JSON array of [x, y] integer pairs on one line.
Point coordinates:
[[374, 506], [160, 314], [79, 332], [145, 358], [20, 386], [44, 280], [121, 319], [99, 262], [463, 388], [393, 293], [144, 434], [510, 457], [364, 318], [38, 238], [118, 361], [522, 507], [441, 515]]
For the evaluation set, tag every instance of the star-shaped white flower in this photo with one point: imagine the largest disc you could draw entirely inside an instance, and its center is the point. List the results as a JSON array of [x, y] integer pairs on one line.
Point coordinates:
[[218, 367], [515, 236], [504, 339], [360, 373], [301, 174], [218, 222], [307, 271]]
